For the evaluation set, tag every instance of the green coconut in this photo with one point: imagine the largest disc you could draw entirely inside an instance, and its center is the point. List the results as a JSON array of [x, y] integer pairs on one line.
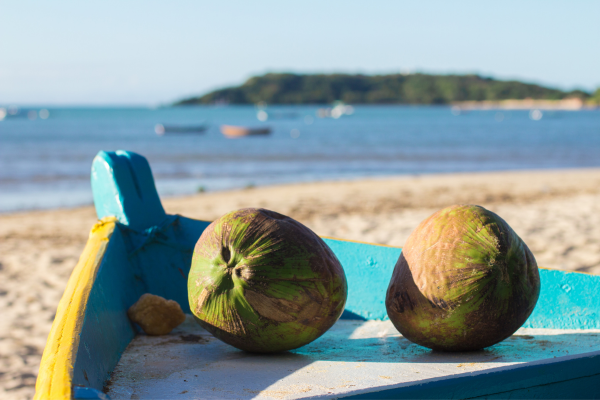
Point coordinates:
[[263, 282], [464, 281]]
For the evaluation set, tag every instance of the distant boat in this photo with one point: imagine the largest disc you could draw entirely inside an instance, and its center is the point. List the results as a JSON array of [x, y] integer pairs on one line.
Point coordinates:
[[241, 131], [263, 115], [15, 112], [338, 109], [161, 129]]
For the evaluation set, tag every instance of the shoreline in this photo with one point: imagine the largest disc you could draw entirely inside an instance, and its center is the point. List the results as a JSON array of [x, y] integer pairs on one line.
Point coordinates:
[[568, 104], [326, 182], [556, 213], [322, 199]]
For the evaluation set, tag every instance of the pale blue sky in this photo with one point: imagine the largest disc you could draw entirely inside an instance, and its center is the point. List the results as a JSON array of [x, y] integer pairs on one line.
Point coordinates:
[[150, 52]]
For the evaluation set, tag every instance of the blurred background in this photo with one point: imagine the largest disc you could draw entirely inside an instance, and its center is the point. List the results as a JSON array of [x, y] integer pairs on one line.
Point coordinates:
[[339, 90]]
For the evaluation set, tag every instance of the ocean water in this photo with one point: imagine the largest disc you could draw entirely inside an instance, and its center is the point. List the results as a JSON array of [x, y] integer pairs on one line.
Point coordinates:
[[45, 163]]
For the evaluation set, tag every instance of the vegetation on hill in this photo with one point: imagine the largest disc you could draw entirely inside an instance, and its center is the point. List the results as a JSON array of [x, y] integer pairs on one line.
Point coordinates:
[[378, 89], [596, 96]]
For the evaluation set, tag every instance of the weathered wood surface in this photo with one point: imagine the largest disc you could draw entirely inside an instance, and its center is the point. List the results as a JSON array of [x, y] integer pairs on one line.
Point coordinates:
[[353, 357]]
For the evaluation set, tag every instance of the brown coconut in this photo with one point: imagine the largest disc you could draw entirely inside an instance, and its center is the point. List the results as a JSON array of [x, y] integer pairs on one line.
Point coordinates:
[[464, 281]]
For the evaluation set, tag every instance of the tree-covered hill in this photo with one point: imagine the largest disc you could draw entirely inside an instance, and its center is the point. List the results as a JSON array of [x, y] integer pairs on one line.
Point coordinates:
[[377, 89]]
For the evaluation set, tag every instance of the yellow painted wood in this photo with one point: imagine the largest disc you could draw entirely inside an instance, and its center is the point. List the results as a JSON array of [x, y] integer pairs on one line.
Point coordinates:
[[56, 370]]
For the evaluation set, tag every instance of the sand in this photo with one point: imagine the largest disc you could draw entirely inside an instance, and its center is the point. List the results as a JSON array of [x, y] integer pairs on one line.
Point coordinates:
[[557, 213]]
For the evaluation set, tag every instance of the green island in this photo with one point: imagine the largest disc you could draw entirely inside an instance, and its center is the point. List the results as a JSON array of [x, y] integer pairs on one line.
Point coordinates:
[[418, 88]]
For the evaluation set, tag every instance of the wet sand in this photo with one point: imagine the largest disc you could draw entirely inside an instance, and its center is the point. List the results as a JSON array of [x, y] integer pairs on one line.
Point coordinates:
[[557, 213]]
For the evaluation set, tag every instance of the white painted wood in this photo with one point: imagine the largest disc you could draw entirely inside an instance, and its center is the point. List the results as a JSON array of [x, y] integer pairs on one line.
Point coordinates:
[[352, 356]]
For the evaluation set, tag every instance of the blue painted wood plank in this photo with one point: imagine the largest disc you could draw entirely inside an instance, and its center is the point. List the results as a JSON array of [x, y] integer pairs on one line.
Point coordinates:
[[568, 300], [106, 329], [123, 187], [368, 271], [581, 388], [571, 377], [163, 255], [86, 393]]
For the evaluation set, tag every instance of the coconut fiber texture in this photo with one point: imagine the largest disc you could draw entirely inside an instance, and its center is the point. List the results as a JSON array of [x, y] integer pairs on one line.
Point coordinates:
[[464, 281], [263, 282], [156, 315]]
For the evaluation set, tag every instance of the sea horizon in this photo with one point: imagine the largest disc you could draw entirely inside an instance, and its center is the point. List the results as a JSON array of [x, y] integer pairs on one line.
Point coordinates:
[[45, 162]]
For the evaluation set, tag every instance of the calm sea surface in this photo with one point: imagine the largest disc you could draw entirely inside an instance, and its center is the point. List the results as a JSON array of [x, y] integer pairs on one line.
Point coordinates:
[[45, 163]]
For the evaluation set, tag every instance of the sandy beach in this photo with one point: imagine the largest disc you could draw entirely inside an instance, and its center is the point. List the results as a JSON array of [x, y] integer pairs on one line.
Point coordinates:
[[557, 213]]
